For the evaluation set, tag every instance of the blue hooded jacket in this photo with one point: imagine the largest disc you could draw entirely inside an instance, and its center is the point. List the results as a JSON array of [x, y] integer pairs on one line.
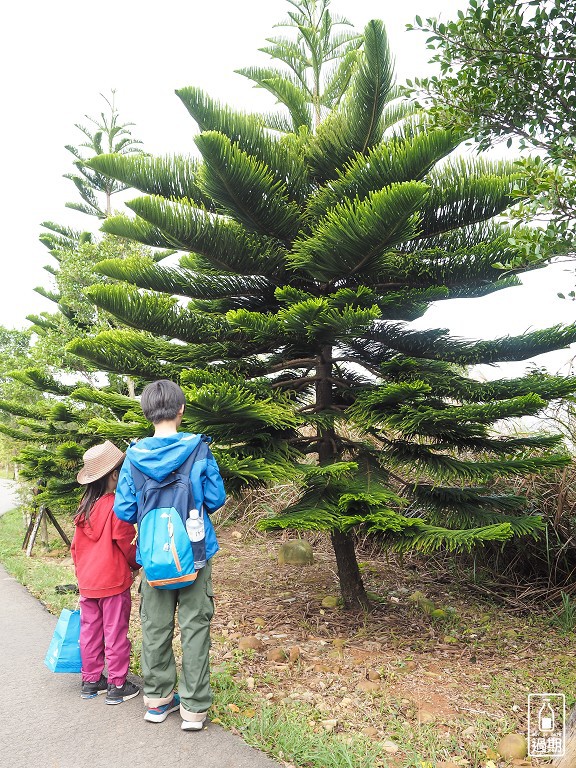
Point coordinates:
[[157, 457]]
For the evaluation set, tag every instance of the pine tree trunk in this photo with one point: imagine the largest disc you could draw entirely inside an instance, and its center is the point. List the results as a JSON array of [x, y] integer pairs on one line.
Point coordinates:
[[351, 584]]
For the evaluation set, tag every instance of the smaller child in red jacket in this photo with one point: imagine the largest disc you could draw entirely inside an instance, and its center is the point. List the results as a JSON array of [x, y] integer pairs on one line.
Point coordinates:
[[104, 555]]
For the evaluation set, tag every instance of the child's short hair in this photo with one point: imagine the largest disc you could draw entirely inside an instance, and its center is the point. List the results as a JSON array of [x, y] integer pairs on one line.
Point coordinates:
[[162, 400]]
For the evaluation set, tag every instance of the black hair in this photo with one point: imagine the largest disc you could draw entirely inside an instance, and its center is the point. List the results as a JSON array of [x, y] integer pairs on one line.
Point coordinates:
[[93, 492], [162, 400]]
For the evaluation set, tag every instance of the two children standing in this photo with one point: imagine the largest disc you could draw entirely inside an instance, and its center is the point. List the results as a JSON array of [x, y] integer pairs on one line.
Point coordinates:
[[104, 557]]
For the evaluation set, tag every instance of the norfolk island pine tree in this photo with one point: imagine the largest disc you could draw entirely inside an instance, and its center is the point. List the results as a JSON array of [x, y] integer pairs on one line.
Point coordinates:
[[50, 427], [307, 251]]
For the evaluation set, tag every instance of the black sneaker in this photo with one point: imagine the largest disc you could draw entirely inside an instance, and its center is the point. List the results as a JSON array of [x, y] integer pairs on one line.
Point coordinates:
[[117, 695], [91, 690]]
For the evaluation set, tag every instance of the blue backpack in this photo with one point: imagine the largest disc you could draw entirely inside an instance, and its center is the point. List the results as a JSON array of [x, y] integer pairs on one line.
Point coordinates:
[[164, 546]]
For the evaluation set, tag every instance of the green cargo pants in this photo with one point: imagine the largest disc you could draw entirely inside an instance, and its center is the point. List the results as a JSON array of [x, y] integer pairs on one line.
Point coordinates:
[[157, 614]]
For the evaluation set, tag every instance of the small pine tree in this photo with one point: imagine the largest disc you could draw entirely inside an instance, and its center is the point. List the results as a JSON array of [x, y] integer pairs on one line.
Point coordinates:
[[107, 135]]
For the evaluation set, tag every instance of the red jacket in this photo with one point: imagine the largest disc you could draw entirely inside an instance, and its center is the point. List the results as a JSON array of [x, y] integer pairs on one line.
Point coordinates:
[[103, 551]]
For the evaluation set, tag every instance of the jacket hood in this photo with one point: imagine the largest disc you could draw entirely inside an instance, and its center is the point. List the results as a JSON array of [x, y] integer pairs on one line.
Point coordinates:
[[99, 515], [158, 456]]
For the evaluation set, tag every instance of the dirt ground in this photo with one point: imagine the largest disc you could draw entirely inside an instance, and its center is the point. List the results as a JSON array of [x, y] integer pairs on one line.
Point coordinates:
[[463, 673]]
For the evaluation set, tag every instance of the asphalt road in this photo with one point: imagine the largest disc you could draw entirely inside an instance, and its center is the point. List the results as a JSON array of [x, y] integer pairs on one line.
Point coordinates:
[[46, 723]]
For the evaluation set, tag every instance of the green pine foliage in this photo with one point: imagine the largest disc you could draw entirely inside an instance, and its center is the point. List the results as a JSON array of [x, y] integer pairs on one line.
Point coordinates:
[[309, 241], [51, 435], [310, 88], [49, 425]]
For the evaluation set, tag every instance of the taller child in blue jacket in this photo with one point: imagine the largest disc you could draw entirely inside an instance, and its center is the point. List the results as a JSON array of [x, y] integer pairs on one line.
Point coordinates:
[[163, 404]]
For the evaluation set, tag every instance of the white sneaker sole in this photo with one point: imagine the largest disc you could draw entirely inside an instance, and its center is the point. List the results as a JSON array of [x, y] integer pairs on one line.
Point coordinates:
[[152, 718], [192, 725]]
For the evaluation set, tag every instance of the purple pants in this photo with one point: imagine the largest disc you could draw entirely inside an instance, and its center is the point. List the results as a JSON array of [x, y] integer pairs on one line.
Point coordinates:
[[104, 634]]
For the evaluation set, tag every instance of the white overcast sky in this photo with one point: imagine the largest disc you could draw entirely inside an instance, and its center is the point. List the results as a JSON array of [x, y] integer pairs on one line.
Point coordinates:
[[57, 57]]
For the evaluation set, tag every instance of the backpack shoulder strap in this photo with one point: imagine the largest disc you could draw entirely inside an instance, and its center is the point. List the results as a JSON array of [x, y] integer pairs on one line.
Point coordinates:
[[199, 452], [138, 477]]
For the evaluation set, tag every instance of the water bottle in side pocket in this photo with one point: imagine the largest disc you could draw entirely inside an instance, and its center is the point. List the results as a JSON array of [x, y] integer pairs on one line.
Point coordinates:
[[195, 530]]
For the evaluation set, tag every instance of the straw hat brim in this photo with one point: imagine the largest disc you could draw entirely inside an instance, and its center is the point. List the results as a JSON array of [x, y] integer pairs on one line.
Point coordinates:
[[99, 461]]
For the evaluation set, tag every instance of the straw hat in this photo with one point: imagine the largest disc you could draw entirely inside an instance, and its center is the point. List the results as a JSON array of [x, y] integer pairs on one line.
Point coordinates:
[[99, 461]]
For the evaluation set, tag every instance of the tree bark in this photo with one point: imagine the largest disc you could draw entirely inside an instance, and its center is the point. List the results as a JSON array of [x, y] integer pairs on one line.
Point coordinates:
[[351, 584], [324, 401], [34, 532], [58, 527], [130, 386], [44, 531]]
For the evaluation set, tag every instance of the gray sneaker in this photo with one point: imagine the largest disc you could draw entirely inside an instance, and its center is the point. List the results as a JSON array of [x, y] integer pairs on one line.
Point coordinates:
[[116, 695], [91, 690]]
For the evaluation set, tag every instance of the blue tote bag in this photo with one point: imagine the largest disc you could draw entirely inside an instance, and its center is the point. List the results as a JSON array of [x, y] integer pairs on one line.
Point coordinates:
[[64, 650]]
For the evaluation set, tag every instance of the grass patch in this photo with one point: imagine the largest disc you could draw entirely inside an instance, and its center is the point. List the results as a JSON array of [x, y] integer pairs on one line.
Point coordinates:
[[291, 732], [39, 575], [565, 619]]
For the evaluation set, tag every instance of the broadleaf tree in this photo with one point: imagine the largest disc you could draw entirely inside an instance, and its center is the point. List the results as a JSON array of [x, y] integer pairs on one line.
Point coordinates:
[[507, 74], [307, 252]]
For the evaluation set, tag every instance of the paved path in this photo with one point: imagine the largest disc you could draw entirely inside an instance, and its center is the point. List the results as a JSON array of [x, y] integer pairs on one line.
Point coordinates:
[[8, 498], [46, 724]]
